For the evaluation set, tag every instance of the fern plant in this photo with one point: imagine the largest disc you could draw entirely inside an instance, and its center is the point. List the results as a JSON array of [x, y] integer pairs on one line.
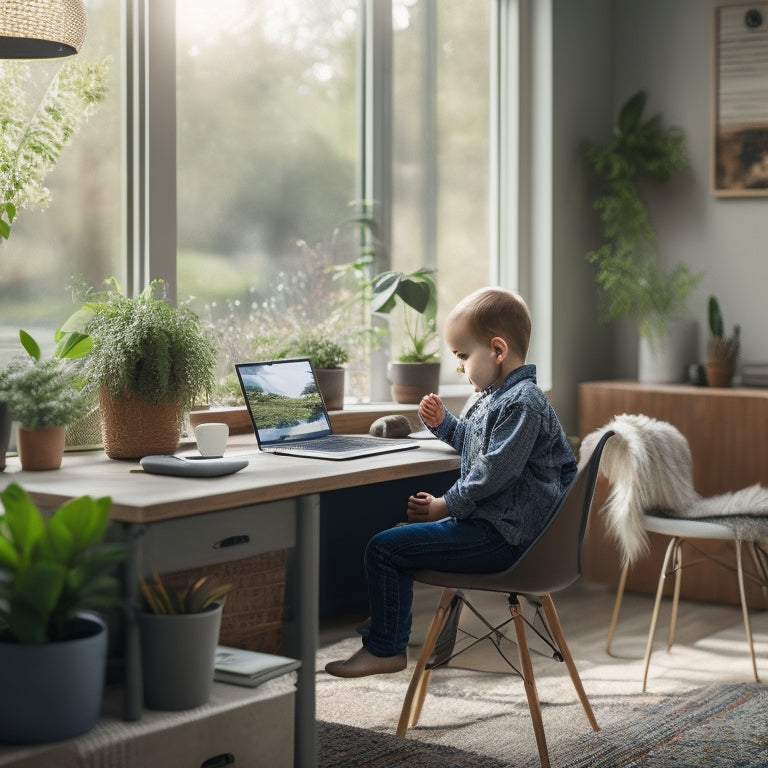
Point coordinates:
[[632, 281], [43, 394], [144, 347], [30, 146]]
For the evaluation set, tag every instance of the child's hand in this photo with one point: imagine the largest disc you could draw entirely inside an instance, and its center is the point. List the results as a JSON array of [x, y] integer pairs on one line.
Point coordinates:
[[425, 508], [431, 410]]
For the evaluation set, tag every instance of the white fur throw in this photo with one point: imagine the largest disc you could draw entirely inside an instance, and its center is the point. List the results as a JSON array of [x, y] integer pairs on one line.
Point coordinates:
[[648, 463]]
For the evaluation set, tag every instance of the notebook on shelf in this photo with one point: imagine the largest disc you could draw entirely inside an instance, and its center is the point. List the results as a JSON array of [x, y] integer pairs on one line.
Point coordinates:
[[289, 416], [250, 668]]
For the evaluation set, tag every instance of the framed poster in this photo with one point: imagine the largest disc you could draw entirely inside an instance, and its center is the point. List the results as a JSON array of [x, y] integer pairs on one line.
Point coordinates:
[[740, 101]]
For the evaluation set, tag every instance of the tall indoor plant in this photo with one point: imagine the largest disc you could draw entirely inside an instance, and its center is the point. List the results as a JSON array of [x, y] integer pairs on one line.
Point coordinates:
[[632, 280], [416, 372], [150, 362], [53, 571]]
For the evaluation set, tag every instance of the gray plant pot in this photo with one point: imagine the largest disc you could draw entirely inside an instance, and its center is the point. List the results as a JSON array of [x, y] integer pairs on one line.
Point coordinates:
[[53, 691], [178, 653]]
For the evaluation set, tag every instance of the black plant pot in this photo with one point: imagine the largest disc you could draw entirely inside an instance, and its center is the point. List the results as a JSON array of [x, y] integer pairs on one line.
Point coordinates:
[[5, 432]]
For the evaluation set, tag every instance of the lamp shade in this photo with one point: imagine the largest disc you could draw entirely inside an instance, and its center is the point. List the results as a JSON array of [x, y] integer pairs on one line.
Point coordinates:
[[41, 29]]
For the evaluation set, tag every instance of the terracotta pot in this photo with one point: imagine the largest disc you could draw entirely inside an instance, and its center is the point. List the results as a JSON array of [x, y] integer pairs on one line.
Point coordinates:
[[719, 374], [411, 381], [331, 384], [132, 429], [41, 449]]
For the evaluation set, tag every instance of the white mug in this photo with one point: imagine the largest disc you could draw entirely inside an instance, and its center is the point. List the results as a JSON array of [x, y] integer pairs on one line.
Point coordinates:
[[211, 438]]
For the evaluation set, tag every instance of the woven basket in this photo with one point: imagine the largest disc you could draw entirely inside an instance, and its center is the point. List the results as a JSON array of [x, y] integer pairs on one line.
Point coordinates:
[[131, 428], [253, 611]]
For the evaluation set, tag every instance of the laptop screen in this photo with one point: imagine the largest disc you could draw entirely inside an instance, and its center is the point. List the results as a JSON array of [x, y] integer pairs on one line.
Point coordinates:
[[284, 401]]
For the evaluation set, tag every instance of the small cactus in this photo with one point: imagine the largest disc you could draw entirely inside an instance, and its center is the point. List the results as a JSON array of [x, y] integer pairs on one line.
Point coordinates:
[[721, 348]]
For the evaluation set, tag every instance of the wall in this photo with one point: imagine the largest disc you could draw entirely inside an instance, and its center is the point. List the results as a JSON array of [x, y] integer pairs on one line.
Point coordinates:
[[606, 50], [582, 110]]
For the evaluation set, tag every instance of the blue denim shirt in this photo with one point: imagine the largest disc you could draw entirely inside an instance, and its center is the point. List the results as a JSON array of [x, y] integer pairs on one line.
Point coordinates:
[[515, 459]]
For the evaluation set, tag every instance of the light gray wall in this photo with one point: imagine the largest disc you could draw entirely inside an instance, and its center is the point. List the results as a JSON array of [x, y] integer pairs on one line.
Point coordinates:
[[582, 110], [606, 50]]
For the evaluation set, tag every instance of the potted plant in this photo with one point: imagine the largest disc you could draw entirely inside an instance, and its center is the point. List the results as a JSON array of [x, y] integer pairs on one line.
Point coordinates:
[[416, 372], [44, 396], [179, 631], [632, 281], [52, 653], [327, 359], [722, 350], [150, 362]]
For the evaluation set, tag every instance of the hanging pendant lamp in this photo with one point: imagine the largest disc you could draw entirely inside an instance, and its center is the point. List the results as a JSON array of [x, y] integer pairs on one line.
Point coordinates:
[[41, 29]]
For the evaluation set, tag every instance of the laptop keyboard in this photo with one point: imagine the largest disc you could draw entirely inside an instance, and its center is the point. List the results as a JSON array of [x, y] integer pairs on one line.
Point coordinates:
[[339, 443]]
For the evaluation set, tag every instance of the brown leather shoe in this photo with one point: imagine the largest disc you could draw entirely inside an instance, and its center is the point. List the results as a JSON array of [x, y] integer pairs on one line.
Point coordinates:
[[364, 663]]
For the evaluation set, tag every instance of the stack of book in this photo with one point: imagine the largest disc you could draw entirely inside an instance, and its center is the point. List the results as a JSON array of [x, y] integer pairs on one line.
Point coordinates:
[[250, 668], [754, 374]]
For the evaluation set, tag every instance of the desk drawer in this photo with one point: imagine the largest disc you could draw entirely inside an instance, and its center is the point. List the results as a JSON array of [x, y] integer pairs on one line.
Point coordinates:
[[216, 537]]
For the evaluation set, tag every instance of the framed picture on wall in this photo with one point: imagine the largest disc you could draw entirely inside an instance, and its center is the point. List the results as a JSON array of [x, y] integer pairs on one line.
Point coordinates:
[[740, 101]]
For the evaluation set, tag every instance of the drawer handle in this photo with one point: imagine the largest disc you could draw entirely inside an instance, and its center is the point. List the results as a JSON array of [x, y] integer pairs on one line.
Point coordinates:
[[232, 541], [226, 758]]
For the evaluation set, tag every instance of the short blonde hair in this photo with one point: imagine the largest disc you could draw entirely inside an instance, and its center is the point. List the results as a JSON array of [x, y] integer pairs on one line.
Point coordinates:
[[490, 312]]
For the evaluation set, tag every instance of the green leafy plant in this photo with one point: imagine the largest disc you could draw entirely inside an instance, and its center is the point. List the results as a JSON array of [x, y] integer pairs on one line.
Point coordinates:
[[632, 281], [193, 598], [145, 347], [30, 146], [721, 348], [43, 394], [323, 352], [51, 569], [417, 294]]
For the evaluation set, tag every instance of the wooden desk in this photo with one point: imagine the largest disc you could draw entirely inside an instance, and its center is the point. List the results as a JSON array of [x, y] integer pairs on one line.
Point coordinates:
[[727, 430], [174, 523]]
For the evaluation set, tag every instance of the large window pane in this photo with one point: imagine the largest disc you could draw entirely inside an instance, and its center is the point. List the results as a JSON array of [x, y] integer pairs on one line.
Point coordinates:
[[79, 233], [440, 145], [267, 160]]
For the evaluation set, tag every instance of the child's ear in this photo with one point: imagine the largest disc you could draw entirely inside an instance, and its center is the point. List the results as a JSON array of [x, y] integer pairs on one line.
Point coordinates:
[[499, 348]]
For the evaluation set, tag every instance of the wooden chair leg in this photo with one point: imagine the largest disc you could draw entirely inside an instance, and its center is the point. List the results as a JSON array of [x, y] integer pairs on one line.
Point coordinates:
[[677, 566], [744, 609], [657, 603], [616, 608], [529, 681], [417, 689], [557, 633]]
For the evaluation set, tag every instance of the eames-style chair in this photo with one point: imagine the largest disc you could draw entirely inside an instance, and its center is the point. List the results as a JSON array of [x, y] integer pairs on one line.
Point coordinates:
[[549, 565], [650, 469]]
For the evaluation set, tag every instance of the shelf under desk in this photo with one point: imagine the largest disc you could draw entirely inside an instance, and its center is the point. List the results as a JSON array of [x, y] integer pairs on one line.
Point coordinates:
[[174, 523]]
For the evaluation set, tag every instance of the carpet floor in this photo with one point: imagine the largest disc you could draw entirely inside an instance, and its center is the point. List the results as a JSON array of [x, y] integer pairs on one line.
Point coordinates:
[[702, 707]]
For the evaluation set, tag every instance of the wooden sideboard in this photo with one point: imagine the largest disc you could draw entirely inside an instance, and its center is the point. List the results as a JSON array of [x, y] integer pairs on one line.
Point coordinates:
[[727, 430]]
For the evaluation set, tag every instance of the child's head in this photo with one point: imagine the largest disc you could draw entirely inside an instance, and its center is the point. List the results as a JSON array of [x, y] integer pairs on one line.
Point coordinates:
[[495, 312]]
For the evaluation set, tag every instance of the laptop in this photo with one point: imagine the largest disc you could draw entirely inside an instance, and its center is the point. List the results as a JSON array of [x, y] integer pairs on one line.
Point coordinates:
[[289, 416]]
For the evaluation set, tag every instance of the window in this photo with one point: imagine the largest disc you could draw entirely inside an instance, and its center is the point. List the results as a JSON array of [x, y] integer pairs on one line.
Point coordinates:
[[276, 104], [80, 232], [268, 110]]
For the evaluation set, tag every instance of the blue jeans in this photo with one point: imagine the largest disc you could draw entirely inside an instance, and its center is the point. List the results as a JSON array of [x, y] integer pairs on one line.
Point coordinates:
[[391, 557]]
